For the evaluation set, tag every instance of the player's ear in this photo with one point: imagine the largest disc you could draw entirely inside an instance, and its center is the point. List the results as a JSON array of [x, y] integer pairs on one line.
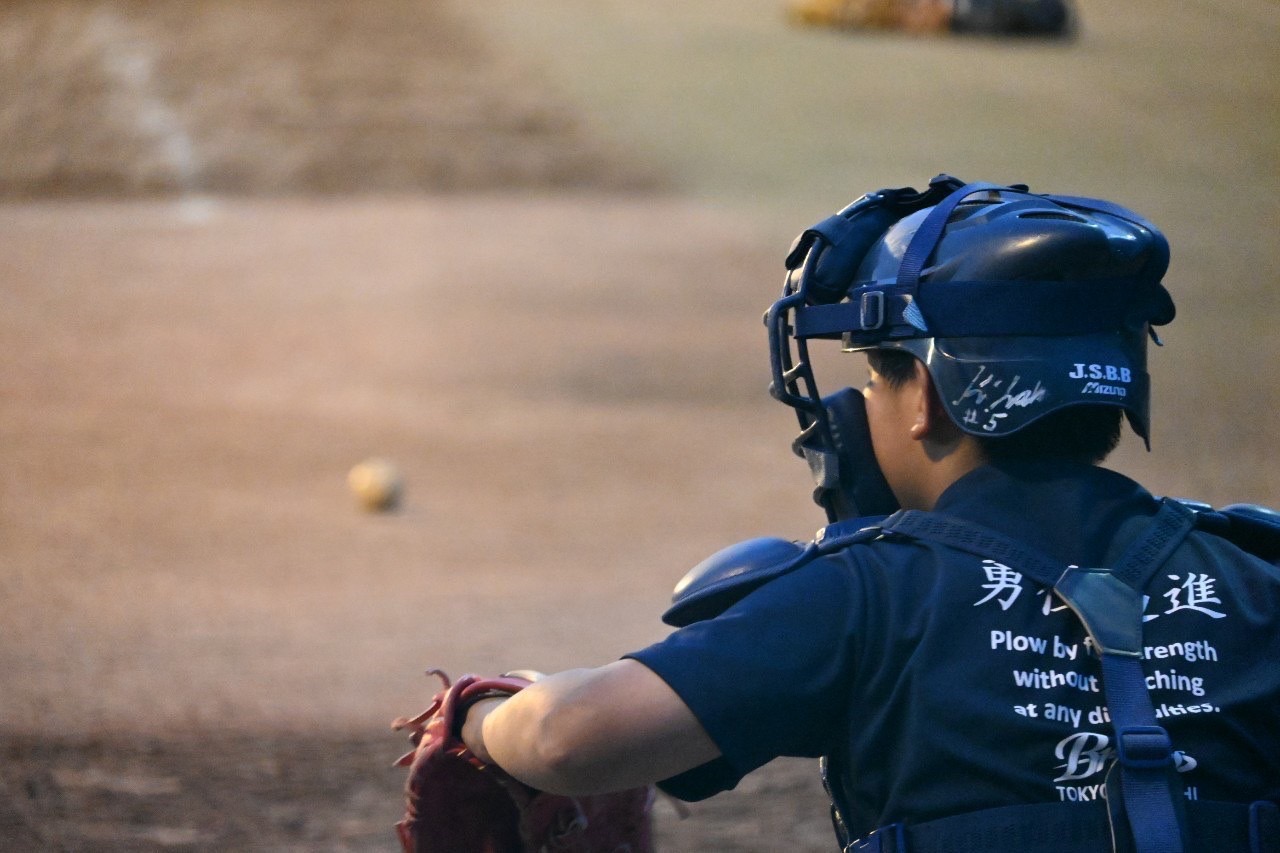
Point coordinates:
[[930, 416]]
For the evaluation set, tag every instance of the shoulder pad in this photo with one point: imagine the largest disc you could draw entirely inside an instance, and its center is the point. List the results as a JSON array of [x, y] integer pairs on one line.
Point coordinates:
[[1260, 516], [710, 587], [1251, 527], [1256, 529], [728, 575]]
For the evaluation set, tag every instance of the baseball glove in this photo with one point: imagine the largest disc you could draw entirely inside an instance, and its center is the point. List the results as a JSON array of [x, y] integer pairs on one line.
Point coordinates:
[[457, 804]]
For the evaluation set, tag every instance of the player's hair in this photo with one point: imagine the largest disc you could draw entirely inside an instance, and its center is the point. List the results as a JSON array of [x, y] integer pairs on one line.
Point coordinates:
[[1082, 433]]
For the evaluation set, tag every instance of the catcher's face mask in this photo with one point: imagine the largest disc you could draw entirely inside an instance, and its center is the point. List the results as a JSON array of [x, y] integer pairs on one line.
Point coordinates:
[[1018, 304]]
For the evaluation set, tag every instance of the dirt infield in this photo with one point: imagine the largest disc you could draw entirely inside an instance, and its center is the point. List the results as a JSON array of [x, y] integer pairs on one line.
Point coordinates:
[[183, 560], [527, 264], [127, 97]]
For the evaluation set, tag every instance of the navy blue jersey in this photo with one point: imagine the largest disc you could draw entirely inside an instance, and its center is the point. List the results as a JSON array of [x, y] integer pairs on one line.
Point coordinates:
[[948, 683]]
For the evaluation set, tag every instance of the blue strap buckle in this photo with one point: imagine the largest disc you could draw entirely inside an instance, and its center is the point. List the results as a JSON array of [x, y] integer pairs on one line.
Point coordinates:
[[871, 314], [886, 839], [1144, 747]]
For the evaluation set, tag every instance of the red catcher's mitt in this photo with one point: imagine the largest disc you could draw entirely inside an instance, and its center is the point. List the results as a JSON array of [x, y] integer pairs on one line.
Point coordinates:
[[457, 804]]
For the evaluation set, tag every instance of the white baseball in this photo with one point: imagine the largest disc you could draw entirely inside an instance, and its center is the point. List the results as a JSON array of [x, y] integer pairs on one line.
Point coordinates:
[[377, 484]]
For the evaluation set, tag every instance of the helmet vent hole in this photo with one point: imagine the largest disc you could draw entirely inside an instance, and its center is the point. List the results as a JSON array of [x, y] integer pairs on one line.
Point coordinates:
[[1050, 214]]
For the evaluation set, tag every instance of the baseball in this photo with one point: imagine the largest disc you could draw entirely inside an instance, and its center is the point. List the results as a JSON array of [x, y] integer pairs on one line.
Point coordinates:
[[377, 484]]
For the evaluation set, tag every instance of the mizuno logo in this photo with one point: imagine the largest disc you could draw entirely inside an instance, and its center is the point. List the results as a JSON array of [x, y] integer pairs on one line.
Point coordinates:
[[1107, 390]]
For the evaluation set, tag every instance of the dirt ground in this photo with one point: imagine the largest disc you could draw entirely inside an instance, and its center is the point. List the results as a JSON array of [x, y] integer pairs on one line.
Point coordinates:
[[552, 325], [127, 97], [183, 560]]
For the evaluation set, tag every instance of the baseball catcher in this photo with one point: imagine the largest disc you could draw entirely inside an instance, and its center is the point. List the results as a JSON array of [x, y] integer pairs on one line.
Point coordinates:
[[994, 644], [456, 803]]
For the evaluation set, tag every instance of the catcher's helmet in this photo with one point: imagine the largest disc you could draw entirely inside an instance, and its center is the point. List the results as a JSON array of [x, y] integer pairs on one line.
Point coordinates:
[[1019, 304]]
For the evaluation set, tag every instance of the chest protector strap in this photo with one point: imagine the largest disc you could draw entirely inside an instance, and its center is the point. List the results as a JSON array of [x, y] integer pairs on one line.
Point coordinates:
[[1145, 799]]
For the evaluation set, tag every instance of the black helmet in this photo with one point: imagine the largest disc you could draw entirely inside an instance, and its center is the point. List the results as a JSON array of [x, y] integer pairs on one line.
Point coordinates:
[[1019, 304]]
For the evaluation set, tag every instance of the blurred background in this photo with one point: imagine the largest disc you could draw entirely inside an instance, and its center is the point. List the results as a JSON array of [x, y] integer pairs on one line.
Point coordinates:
[[521, 250]]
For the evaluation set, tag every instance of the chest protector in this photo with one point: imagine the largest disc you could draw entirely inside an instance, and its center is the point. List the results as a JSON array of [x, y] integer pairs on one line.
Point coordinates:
[[1146, 811]]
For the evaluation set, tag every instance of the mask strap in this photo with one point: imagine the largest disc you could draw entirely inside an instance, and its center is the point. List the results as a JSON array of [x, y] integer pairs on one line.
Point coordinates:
[[930, 231]]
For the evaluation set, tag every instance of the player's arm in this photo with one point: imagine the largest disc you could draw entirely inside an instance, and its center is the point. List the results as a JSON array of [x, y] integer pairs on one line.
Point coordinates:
[[590, 731]]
